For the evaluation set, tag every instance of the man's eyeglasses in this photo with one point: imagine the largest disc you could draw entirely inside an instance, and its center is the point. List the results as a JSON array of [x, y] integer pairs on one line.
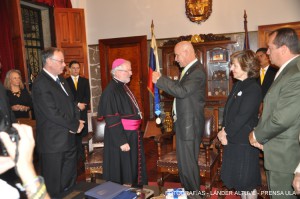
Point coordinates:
[[61, 61]]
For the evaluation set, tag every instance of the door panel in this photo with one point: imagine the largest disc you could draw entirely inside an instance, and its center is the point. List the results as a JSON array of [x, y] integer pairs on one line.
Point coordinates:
[[71, 36]]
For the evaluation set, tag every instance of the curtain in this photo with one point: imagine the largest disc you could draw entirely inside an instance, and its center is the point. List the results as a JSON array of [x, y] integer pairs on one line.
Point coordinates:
[[6, 48]]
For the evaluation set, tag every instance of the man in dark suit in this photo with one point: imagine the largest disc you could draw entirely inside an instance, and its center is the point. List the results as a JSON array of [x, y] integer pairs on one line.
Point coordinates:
[[57, 120], [277, 131], [267, 71], [188, 109], [80, 88]]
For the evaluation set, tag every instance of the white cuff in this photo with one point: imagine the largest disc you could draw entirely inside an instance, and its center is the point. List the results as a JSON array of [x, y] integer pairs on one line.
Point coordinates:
[[297, 169]]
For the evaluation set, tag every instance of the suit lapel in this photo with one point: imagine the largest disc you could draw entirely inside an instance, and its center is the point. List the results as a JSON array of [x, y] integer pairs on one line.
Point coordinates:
[[67, 89], [57, 86], [283, 72], [190, 70], [267, 77], [52, 81], [79, 83]]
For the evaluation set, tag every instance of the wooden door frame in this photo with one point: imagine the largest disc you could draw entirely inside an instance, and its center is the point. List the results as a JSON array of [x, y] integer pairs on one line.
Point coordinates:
[[264, 30]]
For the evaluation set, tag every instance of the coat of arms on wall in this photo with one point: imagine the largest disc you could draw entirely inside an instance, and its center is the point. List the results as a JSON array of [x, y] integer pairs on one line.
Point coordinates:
[[198, 10]]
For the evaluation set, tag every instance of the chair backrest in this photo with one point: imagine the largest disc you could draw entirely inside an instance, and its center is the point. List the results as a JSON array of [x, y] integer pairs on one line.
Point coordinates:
[[98, 127], [208, 126], [211, 124]]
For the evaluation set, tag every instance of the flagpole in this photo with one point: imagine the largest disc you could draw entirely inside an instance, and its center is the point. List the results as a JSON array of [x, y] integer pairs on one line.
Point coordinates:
[[246, 41], [154, 66], [157, 69]]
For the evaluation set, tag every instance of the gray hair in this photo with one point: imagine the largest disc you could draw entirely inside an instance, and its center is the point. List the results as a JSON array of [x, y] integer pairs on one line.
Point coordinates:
[[113, 71]]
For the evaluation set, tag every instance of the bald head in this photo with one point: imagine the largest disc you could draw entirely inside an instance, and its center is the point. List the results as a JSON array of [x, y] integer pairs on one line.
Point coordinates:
[[184, 53]]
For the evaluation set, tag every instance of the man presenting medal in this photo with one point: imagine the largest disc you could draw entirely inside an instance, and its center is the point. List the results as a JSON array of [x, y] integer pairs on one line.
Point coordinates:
[[188, 111]]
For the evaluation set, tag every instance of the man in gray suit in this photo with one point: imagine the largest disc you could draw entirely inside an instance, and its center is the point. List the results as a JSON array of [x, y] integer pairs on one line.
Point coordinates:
[[278, 129], [188, 109]]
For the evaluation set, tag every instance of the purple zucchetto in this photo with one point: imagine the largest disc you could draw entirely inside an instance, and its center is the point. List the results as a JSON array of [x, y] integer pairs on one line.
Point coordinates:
[[118, 62]]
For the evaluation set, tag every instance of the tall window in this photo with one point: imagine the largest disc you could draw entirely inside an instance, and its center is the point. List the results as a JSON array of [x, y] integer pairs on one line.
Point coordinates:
[[33, 39]]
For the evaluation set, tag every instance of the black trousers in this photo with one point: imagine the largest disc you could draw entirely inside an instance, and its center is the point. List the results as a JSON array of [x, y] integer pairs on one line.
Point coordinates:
[[187, 152], [59, 171], [79, 136]]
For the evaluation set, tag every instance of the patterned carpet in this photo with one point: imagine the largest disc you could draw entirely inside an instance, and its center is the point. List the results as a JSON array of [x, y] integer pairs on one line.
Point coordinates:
[[173, 181]]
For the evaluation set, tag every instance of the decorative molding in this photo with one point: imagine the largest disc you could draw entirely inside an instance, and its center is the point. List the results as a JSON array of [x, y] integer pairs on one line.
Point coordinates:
[[200, 38]]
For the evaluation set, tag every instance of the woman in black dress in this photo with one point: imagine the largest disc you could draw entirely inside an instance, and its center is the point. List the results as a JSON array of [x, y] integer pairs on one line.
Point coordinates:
[[19, 98], [240, 167]]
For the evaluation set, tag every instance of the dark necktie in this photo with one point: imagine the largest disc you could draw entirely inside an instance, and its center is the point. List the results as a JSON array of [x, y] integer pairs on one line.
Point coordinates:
[[58, 81], [61, 85]]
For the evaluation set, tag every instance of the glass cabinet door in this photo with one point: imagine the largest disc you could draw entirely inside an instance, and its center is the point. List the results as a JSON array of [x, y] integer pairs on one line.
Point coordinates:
[[217, 66]]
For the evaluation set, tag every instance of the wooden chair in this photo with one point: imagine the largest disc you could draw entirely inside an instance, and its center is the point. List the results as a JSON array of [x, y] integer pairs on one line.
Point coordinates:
[[93, 149], [209, 157]]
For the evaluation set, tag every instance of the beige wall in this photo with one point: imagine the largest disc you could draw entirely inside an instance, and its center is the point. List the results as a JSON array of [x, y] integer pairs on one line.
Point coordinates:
[[122, 18]]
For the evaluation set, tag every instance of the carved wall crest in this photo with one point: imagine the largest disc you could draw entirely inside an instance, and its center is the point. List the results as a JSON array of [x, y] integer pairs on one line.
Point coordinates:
[[198, 10]]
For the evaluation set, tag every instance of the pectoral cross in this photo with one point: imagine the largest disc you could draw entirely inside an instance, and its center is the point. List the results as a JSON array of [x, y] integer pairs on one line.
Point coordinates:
[[140, 114]]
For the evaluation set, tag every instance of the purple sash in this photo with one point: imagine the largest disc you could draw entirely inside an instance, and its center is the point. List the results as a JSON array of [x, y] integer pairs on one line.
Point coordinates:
[[131, 125]]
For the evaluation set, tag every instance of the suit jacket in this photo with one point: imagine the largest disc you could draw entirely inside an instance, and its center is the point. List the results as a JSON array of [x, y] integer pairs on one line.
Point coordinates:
[[82, 94], [56, 114], [190, 100], [278, 127], [241, 110], [268, 80]]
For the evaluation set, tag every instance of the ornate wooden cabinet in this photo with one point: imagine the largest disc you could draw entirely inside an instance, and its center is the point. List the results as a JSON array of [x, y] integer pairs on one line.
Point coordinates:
[[214, 55]]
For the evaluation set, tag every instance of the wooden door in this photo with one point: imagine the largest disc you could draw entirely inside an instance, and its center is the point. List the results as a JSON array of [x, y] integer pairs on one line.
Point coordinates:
[[133, 49], [71, 36], [263, 31]]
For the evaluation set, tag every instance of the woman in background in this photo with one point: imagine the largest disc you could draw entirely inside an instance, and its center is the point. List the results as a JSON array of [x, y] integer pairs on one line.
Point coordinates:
[[240, 167], [19, 98]]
